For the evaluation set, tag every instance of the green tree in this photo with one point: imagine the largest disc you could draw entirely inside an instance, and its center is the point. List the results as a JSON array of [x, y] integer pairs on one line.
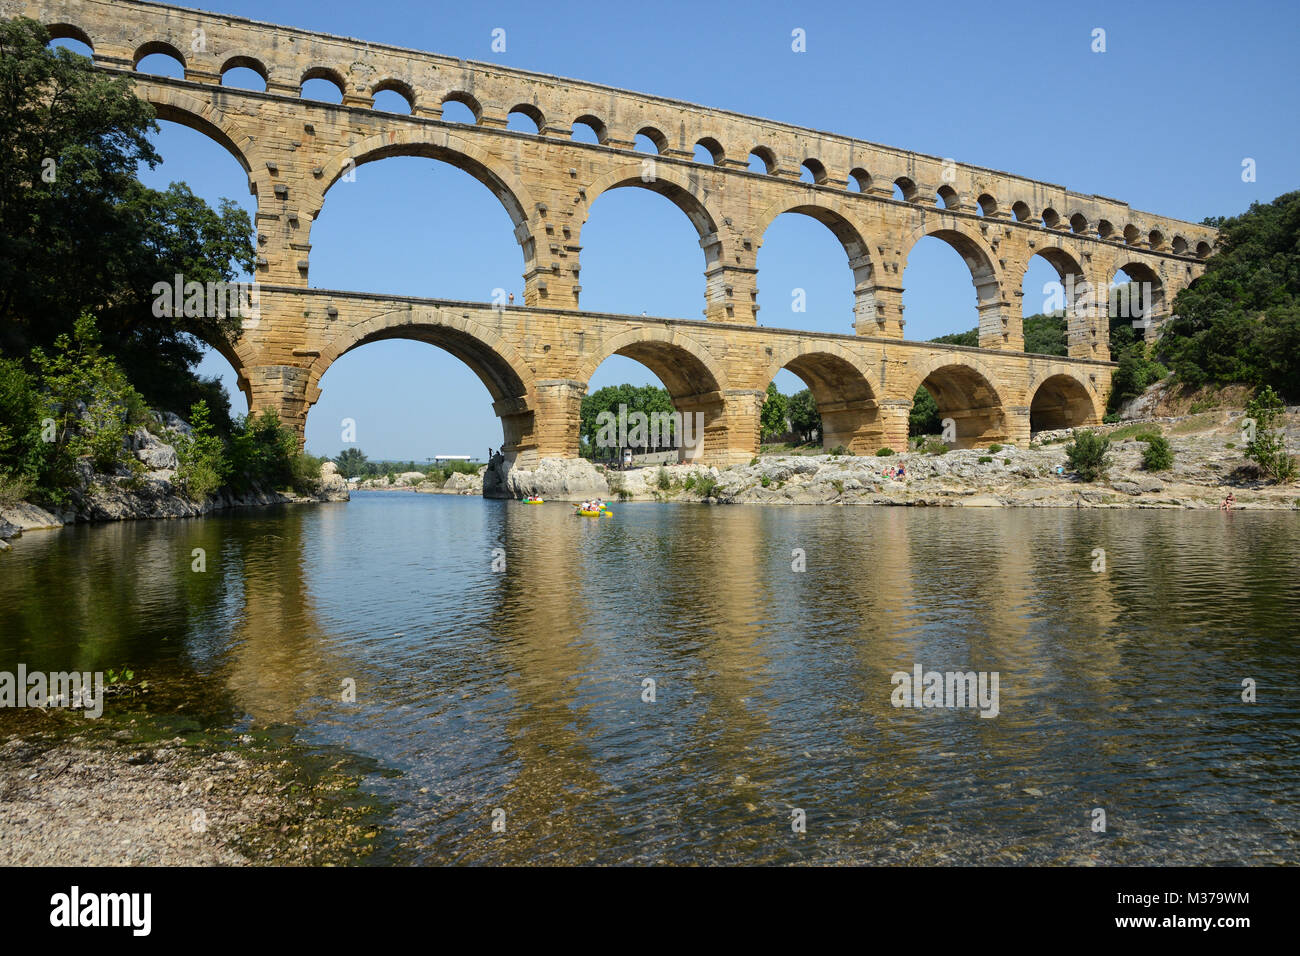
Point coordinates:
[[1239, 322], [924, 417], [774, 417], [1089, 455], [351, 462], [649, 400], [804, 416], [202, 456], [90, 401], [1268, 447], [78, 232], [1046, 334], [1158, 455]]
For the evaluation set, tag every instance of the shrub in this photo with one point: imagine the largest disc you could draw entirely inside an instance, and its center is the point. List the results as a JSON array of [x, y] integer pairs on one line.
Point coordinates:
[[262, 453], [884, 452], [1088, 455], [933, 446], [21, 408], [707, 486], [765, 481], [1006, 461], [1268, 448], [664, 482], [840, 450], [995, 448], [985, 460], [203, 466], [92, 404], [1158, 455]]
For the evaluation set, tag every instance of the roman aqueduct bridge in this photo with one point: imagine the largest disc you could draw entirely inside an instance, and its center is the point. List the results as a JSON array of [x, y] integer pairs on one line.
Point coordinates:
[[536, 358]]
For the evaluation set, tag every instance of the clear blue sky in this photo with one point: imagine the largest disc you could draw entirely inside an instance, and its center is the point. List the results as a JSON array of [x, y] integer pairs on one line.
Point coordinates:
[[1162, 120]]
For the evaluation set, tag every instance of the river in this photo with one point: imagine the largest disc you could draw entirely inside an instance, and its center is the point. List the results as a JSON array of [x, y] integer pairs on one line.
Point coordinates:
[[500, 651]]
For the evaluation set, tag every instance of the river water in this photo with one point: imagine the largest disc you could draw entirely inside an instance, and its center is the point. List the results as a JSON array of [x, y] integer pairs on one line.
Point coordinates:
[[517, 693]]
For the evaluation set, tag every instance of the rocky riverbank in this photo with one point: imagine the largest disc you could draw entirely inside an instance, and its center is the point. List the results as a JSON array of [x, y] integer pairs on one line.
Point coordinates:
[[138, 792], [150, 491], [1208, 464]]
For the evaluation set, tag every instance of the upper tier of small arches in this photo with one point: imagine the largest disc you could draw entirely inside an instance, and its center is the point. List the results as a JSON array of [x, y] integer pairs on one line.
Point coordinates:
[[773, 151]]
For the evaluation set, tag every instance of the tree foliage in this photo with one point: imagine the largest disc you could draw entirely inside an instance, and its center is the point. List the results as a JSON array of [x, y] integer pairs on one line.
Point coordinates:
[[1239, 322], [924, 417], [351, 462], [647, 399], [1267, 448], [1088, 455], [774, 418], [79, 233], [805, 419]]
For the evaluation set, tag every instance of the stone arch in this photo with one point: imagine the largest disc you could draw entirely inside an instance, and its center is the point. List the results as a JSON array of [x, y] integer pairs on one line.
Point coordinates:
[[327, 73], [532, 112], [682, 187], [713, 147], [157, 46], [468, 100], [403, 89], [850, 237], [497, 364], [441, 144], [986, 275], [908, 187], [656, 136], [1142, 272], [846, 391], [201, 116], [988, 205], [1060, 398], [692, 375], [70, 31], [765, 156], [596, 124], [963, 388], [817, 170], [247, 63]]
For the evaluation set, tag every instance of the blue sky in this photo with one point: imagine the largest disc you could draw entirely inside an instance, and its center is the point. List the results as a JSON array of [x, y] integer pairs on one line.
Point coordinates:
[[1162, 120]]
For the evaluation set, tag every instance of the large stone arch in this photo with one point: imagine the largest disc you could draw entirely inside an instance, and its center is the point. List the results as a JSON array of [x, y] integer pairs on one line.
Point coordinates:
[[1142, 271], [849, 235], [692, 375], [682, 187], [498, 365], [846, 390], [199, 114], [444, 146], [1061, 397], [965, 389], [995, 325]]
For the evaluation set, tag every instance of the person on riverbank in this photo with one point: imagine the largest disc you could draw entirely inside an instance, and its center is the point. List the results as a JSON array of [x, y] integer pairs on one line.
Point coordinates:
[[1228, 502]]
